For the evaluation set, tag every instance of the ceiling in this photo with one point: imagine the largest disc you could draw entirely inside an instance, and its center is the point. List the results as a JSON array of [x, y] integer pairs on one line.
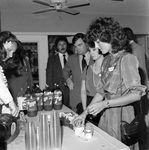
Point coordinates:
[[109, 7]]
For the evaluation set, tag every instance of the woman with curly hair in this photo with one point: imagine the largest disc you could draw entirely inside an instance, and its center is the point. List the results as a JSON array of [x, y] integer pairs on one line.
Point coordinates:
[[120, 78], [8, 44]]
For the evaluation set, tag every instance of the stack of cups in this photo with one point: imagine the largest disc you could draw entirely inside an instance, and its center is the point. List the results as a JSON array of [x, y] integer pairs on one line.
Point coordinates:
[[47, 136], [57, 136], [30, 136], [44, 133]]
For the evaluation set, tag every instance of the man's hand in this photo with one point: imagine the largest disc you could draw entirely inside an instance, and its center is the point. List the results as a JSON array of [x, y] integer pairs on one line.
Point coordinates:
[[70, 84]]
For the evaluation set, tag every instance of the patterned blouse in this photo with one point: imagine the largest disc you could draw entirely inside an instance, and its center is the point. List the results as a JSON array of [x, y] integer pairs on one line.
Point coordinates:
[[120, 74], [93, 81]]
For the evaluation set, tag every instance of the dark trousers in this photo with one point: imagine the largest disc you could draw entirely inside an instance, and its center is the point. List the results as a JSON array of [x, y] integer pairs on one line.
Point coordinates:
[[66, 97], [0, 108], [92, 119]]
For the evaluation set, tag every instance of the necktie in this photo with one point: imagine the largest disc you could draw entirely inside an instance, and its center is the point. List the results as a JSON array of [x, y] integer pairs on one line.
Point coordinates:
[[64, 56], [84, 64]]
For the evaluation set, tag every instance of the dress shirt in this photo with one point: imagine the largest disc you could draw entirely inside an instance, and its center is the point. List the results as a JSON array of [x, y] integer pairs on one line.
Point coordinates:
[[62, 58], [87, 58]]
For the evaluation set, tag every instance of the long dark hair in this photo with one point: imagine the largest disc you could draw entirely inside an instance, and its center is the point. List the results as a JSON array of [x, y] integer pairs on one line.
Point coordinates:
[[5, 36], [13, 65]]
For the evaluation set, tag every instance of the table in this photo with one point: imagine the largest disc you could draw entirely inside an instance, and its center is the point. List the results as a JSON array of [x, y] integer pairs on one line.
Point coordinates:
[[100, 141]]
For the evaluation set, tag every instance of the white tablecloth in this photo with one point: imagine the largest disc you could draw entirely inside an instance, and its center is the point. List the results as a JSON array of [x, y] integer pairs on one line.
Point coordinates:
[[100, 140]]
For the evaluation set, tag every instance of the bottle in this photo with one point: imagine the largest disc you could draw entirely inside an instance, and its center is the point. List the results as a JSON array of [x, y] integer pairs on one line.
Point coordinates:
[[21, 101], [47, 99], [39, 97], [28, 92], [32, 106], [57, 100]]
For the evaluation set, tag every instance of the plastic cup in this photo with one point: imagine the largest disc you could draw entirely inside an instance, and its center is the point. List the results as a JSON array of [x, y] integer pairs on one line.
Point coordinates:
[[88, 131]]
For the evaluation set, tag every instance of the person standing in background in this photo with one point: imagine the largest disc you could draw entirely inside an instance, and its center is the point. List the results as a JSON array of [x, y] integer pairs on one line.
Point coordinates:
[[73, 69], [18, 72], [8, 44], [55, 65], [136, 49]]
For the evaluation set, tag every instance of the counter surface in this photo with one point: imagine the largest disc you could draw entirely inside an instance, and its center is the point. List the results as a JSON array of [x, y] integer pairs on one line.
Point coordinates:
[[101, 140]]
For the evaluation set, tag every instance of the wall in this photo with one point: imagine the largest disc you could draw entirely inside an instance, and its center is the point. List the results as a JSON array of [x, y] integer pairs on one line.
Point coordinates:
[[28, 27], [51, 22]]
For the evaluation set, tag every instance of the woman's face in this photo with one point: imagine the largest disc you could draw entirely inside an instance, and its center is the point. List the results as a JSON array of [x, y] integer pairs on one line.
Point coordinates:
[[10, 47], [103, 46], [94, 52]]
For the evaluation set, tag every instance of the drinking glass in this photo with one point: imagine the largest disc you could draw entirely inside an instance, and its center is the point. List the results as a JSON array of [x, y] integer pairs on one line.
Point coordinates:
[[88, 131], [79, 127]]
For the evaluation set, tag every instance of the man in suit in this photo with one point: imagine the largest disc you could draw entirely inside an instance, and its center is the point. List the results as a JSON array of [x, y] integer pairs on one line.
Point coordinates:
[[73, 69], [136, 49], [54, 68]]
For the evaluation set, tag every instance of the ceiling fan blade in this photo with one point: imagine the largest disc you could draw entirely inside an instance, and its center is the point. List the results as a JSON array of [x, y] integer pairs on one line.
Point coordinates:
[[118, 0], [41, 2], [70, 11], [45, 10], [77, 3]]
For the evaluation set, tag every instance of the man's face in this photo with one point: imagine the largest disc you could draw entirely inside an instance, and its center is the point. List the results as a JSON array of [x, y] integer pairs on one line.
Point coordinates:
[[62, 47], [80, 47]]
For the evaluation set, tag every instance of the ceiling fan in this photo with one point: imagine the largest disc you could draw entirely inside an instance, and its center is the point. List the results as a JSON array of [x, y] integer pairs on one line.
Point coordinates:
[[61, 6]]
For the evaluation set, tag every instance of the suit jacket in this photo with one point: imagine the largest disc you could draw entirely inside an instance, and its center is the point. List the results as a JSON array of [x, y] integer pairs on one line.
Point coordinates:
[[54, 75], [73, 68], [140, 54]]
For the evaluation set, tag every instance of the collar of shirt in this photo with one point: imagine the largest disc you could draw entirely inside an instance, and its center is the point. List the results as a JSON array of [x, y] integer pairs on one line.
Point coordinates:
[[62, 58], [87, 58]]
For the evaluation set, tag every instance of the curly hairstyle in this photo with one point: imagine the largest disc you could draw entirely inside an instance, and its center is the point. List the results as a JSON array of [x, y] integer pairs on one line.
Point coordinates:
[[106, 29], [5, 36]]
